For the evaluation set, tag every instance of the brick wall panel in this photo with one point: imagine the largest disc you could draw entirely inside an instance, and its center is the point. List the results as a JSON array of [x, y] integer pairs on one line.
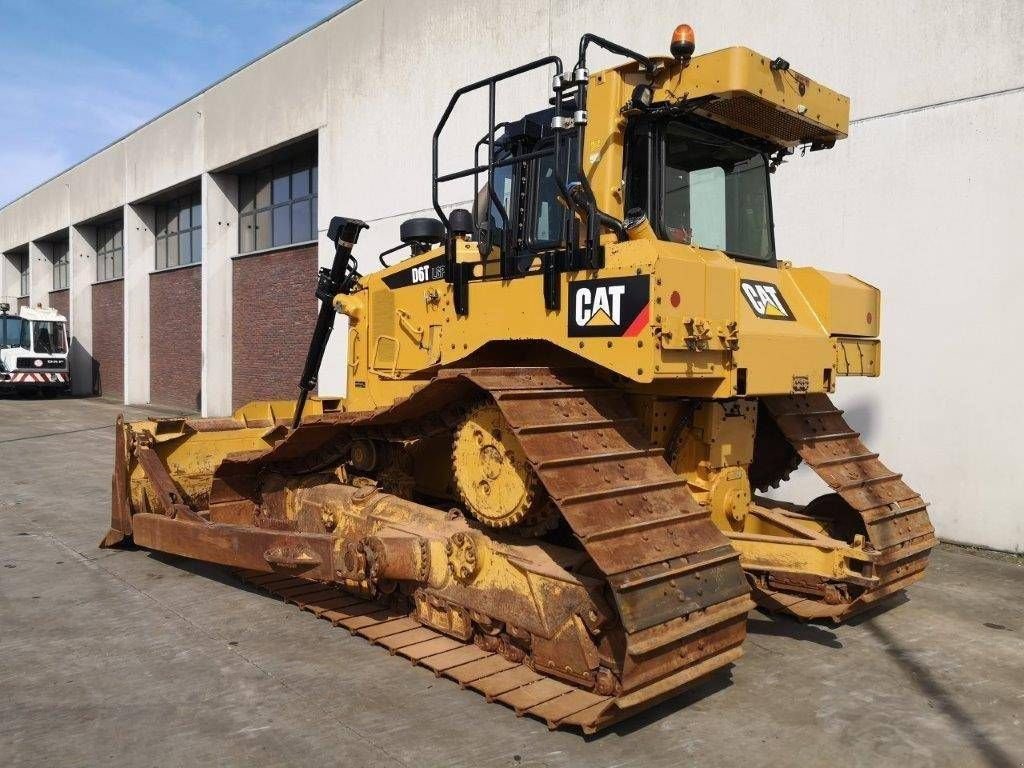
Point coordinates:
[[175, 338], [274, 312], [61, 301], [108, 338]]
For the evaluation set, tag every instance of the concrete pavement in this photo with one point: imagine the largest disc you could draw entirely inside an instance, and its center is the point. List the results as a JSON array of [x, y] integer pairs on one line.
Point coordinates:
[[128, 658]]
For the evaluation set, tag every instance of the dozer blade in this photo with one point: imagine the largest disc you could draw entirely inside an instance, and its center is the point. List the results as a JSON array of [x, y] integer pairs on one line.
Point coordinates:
[[120, 513], [651, 602], [868, 499]]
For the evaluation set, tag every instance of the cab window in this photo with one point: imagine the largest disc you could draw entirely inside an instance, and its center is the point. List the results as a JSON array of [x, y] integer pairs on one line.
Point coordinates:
[[13, 333], [488, 216], [48, 338], [715, 194], [548, 212]]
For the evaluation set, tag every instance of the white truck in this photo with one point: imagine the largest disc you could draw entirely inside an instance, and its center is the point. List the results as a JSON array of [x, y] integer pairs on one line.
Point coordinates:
[[33, 351]]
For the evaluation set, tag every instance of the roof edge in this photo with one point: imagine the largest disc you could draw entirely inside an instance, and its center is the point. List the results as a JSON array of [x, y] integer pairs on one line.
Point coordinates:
[[349, 4]]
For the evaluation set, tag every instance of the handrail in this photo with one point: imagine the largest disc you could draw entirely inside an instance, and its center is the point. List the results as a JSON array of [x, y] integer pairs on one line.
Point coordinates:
[[490, 82], [649, 64], [580, 201]]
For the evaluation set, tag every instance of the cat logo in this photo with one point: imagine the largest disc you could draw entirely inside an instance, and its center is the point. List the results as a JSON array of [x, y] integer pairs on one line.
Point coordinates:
[[603, 306], [766, 300], [609, 307]]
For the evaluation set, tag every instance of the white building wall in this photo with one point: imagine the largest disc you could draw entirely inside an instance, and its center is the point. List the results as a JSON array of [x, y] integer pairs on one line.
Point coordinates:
[[97, 185], [40, 272], [220, 243], [165, 152], [922, 204], [921, 200]]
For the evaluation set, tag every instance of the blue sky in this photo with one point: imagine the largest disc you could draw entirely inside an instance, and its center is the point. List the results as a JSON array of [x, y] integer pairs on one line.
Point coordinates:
[[77, 74]]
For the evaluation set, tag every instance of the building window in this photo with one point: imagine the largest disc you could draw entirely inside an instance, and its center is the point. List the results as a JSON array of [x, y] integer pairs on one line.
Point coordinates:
[[60, 266], [23, 274], [278, 205], [179, 232], [109, 252]]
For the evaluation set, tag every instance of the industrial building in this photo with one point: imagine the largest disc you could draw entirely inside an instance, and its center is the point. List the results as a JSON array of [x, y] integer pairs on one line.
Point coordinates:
[[185, 253]]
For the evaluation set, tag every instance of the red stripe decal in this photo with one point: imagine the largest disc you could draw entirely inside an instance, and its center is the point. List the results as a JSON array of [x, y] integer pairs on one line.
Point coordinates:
[[640, 323]]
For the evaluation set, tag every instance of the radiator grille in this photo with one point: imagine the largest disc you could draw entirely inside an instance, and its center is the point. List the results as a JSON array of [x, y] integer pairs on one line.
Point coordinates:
[[49, 363], [382, 313]]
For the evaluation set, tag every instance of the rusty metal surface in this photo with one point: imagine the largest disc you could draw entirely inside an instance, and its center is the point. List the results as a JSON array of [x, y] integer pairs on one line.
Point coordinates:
[[120, 510], [665, 561], [894, 516], [676, 583], [515, 685], [236, 545]]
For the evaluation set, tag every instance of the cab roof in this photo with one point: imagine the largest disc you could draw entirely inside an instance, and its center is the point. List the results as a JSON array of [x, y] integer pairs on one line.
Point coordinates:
[[749, 91], [41, 313]]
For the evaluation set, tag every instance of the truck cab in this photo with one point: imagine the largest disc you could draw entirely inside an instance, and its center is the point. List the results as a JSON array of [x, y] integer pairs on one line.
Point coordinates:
[[33, 351]]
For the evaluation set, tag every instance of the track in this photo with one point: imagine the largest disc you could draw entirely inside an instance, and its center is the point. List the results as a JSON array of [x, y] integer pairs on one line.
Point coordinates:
[[674, 578], [673, 575], [515, 685], [893, 516]]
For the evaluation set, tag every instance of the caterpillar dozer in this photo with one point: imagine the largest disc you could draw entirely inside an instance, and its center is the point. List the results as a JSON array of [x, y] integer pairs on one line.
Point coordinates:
[[562, 405]]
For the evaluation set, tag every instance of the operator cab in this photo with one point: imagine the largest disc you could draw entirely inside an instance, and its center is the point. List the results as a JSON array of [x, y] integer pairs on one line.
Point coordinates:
[[698, 183], [680, 148]]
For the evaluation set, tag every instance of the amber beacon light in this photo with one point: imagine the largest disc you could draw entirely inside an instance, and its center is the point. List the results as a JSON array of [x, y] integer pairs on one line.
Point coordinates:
[[683, 43]]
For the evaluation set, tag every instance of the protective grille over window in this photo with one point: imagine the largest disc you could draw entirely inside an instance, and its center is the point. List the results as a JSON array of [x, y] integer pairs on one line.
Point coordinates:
[[757, 116]]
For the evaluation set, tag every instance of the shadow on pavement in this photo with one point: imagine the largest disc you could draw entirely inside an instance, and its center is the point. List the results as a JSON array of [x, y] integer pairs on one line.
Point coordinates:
[[784, 626], [919, 674]]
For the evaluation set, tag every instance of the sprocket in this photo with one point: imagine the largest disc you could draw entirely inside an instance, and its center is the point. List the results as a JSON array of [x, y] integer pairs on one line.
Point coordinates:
[[494, 479], [775, 459]]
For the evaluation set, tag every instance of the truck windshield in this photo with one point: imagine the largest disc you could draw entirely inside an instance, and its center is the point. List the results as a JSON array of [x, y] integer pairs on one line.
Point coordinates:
[[715, 194], [48, 337], [13, 332]]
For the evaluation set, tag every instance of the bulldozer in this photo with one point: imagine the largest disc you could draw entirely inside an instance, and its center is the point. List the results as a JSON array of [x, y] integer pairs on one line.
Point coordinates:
[[562, 405]]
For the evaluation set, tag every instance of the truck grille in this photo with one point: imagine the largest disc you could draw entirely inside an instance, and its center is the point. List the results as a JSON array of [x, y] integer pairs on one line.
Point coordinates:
[[49, 364]]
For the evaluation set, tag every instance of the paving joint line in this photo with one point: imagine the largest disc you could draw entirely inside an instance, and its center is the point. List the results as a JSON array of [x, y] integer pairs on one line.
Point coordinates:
[[55, 434], [96, 565]]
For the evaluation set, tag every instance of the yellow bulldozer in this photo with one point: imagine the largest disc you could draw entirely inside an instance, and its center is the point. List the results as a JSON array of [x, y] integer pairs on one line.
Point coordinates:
[[562, 404]]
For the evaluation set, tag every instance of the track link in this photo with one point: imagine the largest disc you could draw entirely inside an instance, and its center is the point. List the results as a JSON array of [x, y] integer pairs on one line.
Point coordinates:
[[894, 516], [675, 578], [558, 704]]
